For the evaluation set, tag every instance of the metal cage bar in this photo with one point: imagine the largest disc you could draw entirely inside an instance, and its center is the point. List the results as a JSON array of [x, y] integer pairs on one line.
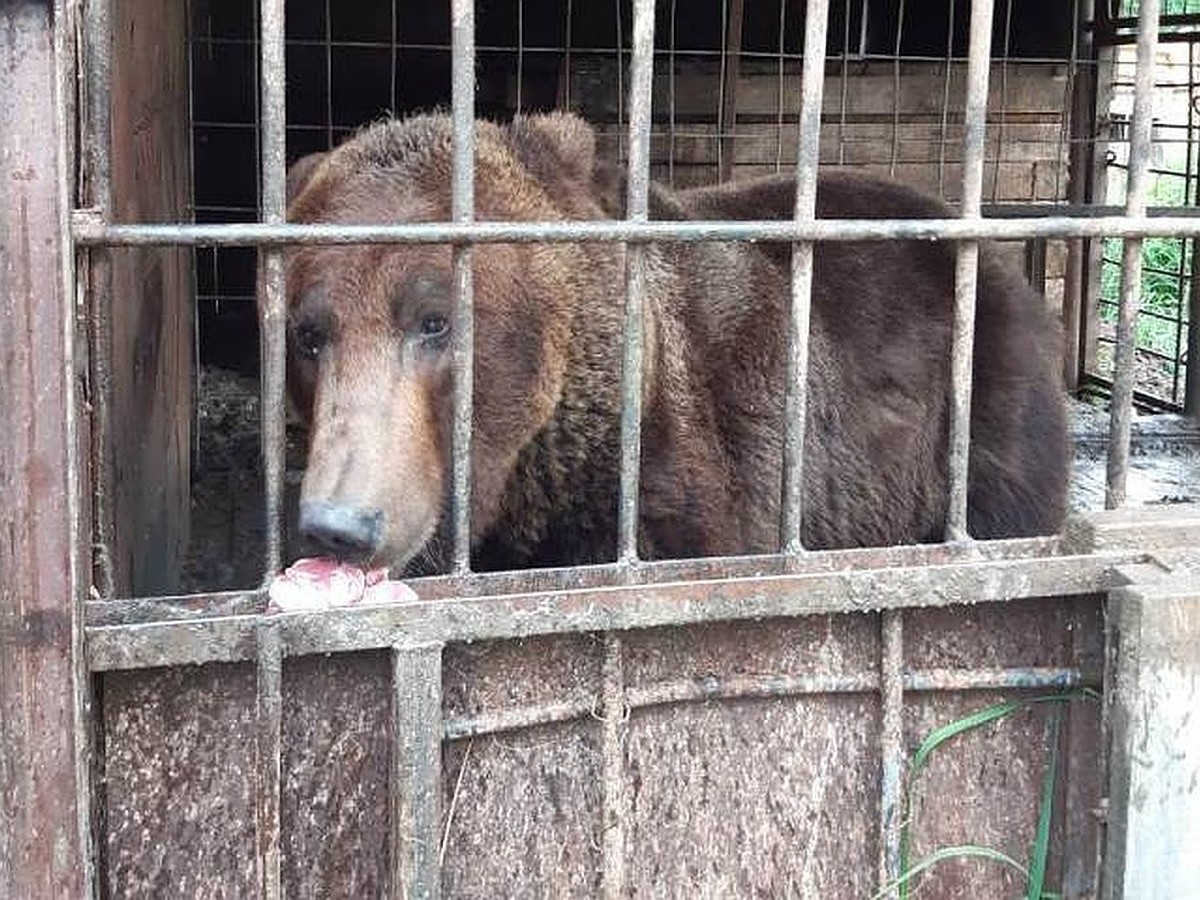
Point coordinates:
[[269, 745], [891, 745], [812, 86], [273, 308], [98, 148], [638, 200], [463, 212], [416, 790], [1131, 268], [967, 266], [616, 798]]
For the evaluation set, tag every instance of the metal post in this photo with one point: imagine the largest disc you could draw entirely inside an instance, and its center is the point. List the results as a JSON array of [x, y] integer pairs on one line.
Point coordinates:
[[273, 304], [812, 88], [891, 677], [966, 271], [1131, 267], [616, 805], [463, 211], [269, 719], [416, 790], [640, 95]]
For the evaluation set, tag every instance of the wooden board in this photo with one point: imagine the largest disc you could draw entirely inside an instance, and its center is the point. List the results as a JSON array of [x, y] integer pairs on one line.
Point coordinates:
[[152, 298]]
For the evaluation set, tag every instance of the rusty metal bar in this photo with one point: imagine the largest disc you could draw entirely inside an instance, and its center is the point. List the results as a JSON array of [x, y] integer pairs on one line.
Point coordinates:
[[231, 638], [1138, 188], [640, 96], [463, 212], [45, 797], [88, 231], [967, 265], [731, 67], [616, 802], [742, 687], [269, 660], [808, 151], [98, 146], [142, 610], [273, 307], [894, 156], [1083, 99], [891, 677], [944, 130], [416, 790]]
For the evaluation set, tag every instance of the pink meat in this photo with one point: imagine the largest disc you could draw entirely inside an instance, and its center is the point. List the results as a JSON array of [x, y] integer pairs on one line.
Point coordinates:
[[318, 583]]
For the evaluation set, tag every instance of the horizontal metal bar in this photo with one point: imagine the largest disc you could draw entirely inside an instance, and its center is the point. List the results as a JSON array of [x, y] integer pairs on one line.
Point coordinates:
[[758, 687], [617, 607], [144, 610], [92, 233]]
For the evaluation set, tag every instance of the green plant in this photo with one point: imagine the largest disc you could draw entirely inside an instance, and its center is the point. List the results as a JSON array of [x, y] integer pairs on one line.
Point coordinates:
[[1034, 873]]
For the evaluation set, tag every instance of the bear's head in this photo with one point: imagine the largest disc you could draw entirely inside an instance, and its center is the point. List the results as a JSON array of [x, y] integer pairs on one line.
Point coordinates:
[[371, 328]]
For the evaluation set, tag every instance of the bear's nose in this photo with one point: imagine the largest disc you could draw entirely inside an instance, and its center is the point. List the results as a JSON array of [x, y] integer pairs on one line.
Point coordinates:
[[344, 531]]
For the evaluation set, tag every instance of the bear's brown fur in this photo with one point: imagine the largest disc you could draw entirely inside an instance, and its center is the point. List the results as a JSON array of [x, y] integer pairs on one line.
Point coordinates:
[[370, 354]]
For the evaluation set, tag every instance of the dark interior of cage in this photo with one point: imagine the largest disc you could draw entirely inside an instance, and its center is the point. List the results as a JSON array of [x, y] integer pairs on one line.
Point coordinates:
[[725, 106]]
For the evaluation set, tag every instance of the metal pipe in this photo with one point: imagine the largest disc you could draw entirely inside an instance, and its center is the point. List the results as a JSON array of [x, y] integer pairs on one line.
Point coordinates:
[[273, 308], [966, 269], [812, 87], [638, 200], [416, 788], [1181, 223], [616, 805], [603, 608], [98, 146], [891, 745], [710, 687], [463, 212], [1140, 147], [269, 719]]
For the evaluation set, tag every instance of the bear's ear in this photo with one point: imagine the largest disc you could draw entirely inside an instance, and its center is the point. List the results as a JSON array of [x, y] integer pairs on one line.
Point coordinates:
[[554, 147], [301, 171]]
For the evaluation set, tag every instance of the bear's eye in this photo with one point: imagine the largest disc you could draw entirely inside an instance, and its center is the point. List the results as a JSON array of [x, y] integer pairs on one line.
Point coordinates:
[[434, 327], [310, 340]]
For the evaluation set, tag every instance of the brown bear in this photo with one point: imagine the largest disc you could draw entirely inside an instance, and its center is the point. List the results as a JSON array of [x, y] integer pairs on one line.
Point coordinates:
[[370, 335]]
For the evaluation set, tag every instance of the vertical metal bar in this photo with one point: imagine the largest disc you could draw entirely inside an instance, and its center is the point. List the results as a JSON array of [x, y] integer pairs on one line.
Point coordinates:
[[98, 62], [1191, 388], [1080, 147], [945, 129], [1131, 268], [620, 54], [895, 153], [966, 271], [567, 54], [395, 50], [779, 90], [328, 76], [616, 804], [1183, 277], [844, 89], [416, 790], [891, 677], [520, 50], [463, 210], [640, 84], [812, 86], [671, 97], [731, 67], [1002, 119], [269, 670], [273, 309]]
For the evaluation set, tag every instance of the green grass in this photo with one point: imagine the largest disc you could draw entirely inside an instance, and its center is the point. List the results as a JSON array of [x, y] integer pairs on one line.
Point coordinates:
[[1033, 873]]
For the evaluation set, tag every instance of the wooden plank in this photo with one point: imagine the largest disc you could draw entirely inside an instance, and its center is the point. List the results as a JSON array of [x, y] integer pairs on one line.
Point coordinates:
[[1154, 806], [152, 301], [43, 777]]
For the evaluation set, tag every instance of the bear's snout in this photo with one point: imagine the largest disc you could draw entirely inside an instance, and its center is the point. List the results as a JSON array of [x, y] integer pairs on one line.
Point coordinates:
[[346, 532]]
